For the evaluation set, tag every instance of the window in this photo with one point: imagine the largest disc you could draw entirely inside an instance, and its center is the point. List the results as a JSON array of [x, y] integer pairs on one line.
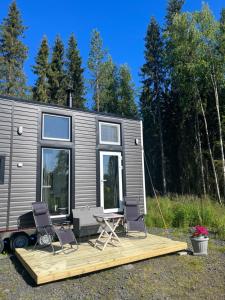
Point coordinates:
[[55, 184], [56, 127], [2, 169], [109, 133]]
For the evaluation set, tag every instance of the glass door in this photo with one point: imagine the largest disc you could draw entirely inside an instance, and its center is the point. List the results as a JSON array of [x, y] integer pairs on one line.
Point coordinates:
[[111, 181], [55, 183]]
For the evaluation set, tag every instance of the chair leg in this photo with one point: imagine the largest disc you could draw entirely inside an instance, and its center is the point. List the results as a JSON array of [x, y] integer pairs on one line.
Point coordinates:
[[52, 248], [75, 240], [146, 233], [71, 245], [35, 244], [125, 229]]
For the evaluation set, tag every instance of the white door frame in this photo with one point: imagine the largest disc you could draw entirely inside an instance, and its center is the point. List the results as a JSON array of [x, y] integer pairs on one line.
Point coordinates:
[[119, 155]]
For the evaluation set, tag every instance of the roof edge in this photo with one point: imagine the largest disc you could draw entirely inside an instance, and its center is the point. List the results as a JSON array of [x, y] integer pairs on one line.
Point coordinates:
[[34, 102]]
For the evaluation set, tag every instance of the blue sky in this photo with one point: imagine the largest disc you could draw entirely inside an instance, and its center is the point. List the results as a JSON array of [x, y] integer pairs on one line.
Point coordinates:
[[122, 24]]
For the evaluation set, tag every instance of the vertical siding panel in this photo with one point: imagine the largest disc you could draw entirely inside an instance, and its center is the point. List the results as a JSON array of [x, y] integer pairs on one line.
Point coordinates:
[[5, 133], [85, 159], [133, 159], [23, 184]]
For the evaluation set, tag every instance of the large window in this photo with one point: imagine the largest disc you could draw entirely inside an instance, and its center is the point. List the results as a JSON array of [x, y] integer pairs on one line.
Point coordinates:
[[109, 133], [2, 169], [55, 184], [55, 127]]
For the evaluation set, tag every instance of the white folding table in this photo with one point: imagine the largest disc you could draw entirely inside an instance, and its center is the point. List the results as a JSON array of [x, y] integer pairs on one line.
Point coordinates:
[[108, 222]]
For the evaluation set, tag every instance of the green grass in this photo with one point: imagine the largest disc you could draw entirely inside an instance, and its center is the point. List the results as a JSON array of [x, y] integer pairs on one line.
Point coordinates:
[[215, 247], [184, 212]]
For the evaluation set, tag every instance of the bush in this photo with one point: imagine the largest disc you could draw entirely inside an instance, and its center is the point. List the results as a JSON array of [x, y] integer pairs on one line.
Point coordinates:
[[186, 211]]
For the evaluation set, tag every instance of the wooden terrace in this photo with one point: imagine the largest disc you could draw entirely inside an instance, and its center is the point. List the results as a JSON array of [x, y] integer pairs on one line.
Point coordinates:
[[45, 267]]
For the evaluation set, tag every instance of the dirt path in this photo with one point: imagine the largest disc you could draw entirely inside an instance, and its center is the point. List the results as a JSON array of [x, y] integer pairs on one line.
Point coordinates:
[[166, 277]]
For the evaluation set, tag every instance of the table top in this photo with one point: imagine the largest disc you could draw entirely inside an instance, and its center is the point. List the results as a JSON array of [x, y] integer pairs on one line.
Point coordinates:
[[108, 216]]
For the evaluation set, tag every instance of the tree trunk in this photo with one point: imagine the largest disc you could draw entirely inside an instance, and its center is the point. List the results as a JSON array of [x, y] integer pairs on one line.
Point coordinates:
[[220, 127], [200, 153], [210, 153], [162, 150]]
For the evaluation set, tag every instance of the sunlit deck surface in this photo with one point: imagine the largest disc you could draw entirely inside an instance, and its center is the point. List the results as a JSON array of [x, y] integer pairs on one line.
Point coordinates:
[[45, 267]]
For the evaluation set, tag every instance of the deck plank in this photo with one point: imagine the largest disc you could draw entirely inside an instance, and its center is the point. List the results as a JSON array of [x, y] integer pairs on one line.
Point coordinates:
[[45, 267]]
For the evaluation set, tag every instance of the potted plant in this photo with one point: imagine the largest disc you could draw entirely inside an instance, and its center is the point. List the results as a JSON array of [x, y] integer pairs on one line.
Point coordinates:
[[199, 240]]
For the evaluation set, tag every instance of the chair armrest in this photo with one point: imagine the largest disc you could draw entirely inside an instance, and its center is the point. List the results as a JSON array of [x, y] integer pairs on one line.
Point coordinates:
[[47, 229], [141, 217]]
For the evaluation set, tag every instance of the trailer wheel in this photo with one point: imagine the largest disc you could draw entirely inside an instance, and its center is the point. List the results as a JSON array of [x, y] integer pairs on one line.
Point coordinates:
[[19, 240], [1, 245]]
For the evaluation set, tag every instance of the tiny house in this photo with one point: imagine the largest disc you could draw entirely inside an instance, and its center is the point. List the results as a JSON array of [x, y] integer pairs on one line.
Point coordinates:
[[66, 157]]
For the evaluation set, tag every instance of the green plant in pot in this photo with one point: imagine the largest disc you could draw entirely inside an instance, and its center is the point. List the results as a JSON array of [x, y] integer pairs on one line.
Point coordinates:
[[199, 240]]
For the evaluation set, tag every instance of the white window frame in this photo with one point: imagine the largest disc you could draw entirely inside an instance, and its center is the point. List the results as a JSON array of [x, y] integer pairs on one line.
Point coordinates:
[[120, 168], [42, 151], [109, 125], [57, 116]]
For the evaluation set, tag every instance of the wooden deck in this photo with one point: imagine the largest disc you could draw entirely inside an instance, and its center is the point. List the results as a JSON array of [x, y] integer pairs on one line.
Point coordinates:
[[45, 267]]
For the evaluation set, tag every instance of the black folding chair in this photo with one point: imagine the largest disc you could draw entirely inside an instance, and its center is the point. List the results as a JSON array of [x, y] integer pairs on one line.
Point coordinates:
[[46, 231], [134, 221]]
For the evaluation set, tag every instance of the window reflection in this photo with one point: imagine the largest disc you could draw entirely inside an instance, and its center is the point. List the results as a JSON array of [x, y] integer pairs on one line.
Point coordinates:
[[56, 127], [55, 179]]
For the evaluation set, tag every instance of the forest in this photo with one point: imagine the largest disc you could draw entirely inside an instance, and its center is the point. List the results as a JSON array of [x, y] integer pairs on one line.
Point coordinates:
[[181, 100]]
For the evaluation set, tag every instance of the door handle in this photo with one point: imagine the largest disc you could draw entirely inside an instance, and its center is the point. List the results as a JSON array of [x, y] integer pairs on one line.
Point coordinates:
[[103, 180], [46, 186]]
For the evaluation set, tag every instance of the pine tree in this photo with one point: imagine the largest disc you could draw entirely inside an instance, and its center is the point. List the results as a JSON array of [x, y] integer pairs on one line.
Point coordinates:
[[96, 58], [153, 87], [74, 73], [56, 74], [13, 54], [108, 87], [127, 105], [174, 7], [40, 89]]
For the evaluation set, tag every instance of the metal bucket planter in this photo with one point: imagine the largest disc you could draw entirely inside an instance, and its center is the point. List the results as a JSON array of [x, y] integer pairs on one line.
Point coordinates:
[[200, 245]]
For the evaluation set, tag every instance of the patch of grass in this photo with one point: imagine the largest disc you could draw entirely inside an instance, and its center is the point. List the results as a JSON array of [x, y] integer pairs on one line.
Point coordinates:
[[185, 212], [142, 284], [3, 255], [194, 264], [2, 295], [215, 247]]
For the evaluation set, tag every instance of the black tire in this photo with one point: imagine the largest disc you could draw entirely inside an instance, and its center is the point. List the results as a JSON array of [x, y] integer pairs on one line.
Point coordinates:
[[19, 240], [1, 245]]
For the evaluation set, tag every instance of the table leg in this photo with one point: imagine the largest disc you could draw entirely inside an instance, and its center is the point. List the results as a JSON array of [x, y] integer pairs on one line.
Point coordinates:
[[103, 228], [112, 233]]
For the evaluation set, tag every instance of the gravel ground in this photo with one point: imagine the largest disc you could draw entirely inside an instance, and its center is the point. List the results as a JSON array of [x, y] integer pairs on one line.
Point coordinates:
[[165, 277]]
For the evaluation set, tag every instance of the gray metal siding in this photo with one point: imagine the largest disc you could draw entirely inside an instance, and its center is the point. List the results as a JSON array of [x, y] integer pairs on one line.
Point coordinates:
[[23, 184], [85, 159], [5, 133], [133, 160]]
